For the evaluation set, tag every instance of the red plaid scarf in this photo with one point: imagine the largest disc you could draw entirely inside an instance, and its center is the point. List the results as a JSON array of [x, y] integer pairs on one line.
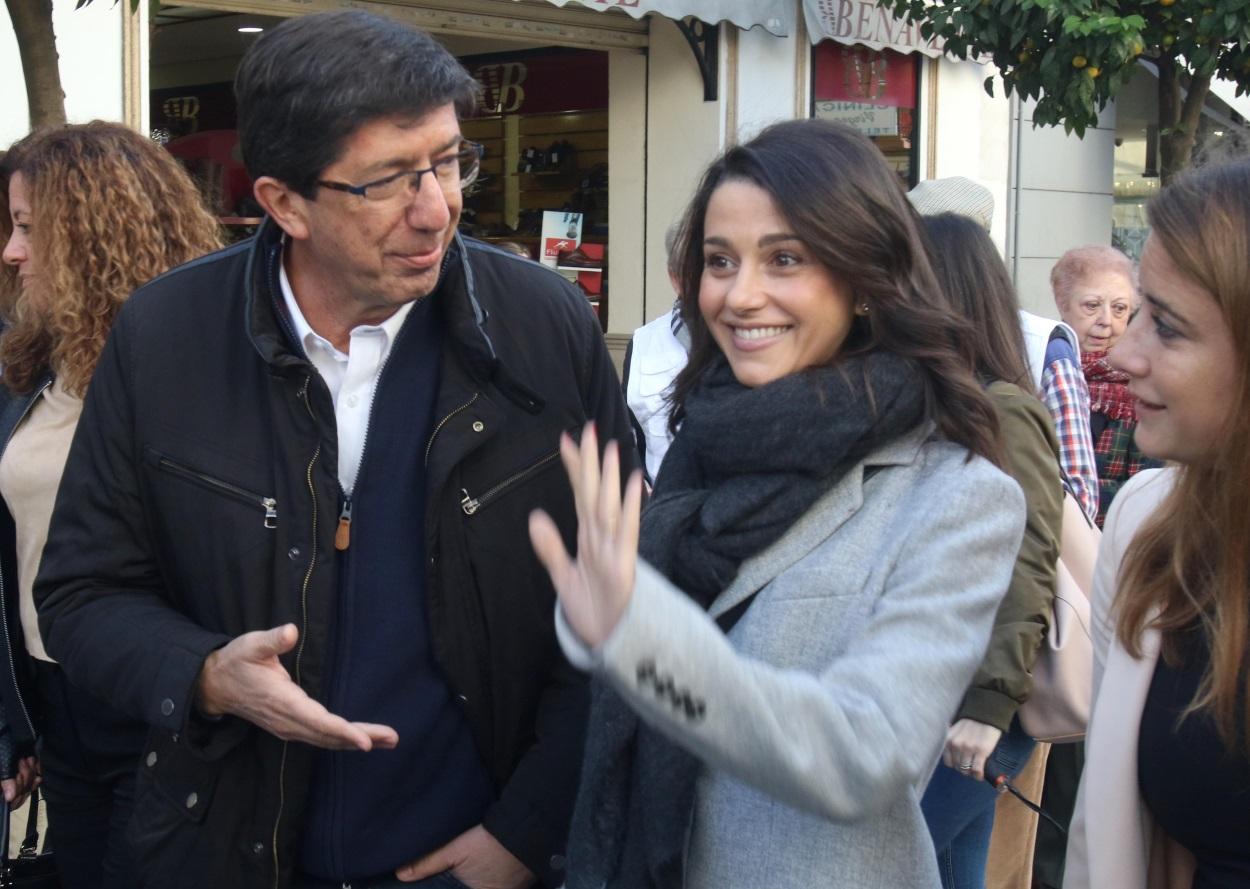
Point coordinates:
[[1108, 389]]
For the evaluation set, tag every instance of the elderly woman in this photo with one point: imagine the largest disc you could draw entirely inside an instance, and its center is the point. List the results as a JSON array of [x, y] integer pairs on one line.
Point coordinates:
[[822, 559], [93, 211], [1095, 291]]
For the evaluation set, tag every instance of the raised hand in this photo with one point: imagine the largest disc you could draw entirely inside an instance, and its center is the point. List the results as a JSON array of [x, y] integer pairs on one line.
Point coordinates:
[[595, 587], [245, 678]]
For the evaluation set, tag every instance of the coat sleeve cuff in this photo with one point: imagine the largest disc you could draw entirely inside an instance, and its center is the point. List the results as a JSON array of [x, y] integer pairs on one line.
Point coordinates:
[[578, 653], [524, 832], [575, 649], [989, 707], [172, 705]]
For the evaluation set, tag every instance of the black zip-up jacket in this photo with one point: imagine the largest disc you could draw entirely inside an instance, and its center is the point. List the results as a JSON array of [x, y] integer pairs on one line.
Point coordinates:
[[199, 502], [17, 692]]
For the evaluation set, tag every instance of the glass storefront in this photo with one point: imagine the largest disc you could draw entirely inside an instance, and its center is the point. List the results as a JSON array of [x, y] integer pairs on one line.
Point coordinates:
[[875, 91], [1221, 134], [543, 123]]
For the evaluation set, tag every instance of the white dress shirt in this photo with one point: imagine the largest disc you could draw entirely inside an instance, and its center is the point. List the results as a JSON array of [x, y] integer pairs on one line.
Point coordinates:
[[352, 376]]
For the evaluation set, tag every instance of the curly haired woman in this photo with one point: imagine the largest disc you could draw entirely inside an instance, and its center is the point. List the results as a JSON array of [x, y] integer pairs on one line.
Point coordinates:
[[93, 211]]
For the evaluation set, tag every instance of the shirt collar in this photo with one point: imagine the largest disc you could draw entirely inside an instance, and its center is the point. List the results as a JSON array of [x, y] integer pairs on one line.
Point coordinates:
[[308, 338]]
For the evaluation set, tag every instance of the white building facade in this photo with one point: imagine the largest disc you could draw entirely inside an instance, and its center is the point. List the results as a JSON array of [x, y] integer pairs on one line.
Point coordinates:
[[674, 99]]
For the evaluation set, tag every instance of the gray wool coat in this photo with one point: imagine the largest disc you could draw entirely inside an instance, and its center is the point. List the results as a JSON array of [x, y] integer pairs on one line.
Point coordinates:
[[821, 716]]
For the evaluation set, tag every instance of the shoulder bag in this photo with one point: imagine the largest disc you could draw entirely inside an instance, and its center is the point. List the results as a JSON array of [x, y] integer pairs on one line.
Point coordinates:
[[31, 869], [1057, 710]]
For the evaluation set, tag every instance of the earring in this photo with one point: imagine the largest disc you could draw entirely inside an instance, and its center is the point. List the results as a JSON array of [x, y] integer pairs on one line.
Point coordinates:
[[862, 309]]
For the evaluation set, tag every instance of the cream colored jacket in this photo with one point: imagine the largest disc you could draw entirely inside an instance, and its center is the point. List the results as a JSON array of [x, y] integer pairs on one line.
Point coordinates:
[[1113, 842]]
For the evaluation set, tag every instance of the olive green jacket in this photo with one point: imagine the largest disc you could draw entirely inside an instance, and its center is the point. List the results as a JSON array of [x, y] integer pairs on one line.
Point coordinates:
[[1031, 457]]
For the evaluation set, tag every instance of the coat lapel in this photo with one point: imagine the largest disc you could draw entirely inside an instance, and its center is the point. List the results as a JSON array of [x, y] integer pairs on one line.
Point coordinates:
[[818, 524]]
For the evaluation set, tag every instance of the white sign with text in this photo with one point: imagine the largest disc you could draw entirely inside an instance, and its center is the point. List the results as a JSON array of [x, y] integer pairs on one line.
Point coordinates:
[[871, 120]]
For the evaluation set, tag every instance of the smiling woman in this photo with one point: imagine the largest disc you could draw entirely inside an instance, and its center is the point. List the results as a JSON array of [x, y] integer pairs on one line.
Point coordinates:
[[1181, 363], [771, 307], [821, 558]]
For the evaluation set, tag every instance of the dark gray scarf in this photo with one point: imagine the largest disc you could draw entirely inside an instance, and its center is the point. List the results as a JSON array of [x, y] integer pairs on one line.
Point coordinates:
[[745, 466]]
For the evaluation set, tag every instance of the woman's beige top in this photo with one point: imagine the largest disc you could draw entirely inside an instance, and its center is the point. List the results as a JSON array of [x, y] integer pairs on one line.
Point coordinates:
[[30, 473]]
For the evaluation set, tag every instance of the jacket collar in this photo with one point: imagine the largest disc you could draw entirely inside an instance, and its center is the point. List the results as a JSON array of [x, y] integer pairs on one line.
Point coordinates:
[[465, 319], [14, 407], [815, 526]]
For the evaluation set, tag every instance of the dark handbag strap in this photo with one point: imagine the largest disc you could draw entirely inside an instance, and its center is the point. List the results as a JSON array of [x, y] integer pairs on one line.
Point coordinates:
[[30, 843], [30, 868]]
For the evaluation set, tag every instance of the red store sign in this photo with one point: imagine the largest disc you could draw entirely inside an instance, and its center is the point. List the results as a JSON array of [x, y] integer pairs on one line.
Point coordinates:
[[538, 82], [856, 74]]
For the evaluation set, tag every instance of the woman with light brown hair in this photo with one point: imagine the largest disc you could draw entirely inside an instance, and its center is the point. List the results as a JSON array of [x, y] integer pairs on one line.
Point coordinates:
[[1163, 800], [90, 212]]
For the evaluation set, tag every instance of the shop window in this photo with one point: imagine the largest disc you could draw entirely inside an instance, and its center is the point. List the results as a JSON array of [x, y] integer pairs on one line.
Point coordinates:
[[876, 92], [197, 124], [544, 125]]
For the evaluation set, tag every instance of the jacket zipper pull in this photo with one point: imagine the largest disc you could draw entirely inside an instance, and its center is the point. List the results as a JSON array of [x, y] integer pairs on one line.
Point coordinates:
[[343, 533], [468, 503], [271, 512]]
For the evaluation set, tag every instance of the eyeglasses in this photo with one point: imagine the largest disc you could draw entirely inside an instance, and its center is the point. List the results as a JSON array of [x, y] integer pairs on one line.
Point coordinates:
[[457, 171]]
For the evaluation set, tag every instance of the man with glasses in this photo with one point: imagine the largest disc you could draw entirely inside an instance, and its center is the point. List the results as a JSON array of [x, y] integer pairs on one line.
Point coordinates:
[[292, 529]]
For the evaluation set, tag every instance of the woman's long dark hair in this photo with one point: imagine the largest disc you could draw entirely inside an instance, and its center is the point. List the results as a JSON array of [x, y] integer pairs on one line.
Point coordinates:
[[975, 281], [842, 199]]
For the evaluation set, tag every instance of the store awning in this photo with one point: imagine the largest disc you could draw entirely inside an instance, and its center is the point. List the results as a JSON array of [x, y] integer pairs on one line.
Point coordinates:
[[774, 16], [864, 23]]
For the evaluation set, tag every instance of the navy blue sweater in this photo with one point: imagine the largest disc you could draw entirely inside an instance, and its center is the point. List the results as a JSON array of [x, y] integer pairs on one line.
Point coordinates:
[[371, 812]]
